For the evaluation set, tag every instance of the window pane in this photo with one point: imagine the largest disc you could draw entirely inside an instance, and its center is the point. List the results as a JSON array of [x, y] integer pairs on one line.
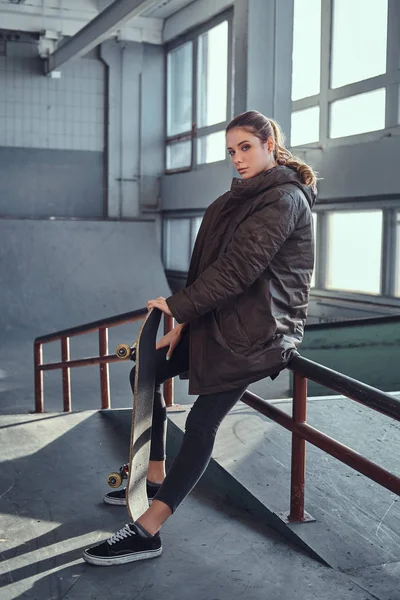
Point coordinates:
[[315, 221], [397, 263], [358, 114], [179, 155], [213, 76], [211, 148], [179, 76], [305, 126], [306, 48], [358, 41], [354, 251], [177, 244], [196, 222]]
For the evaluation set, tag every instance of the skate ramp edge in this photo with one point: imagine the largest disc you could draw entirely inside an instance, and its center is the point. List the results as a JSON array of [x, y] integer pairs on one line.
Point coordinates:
[[357, 522]]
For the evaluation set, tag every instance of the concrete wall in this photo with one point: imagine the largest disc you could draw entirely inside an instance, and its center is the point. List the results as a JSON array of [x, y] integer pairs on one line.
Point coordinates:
[[357, 170], [90, 144], [51, 136]]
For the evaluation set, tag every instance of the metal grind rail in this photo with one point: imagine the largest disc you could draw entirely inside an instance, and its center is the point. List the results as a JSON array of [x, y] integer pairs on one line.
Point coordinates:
[[302, 368], [103, 359]]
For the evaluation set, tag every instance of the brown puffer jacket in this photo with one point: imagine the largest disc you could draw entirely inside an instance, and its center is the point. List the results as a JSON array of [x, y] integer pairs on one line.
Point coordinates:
[[247, 291]]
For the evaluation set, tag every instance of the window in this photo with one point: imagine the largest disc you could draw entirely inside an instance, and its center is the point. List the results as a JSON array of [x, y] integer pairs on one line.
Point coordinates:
[[306, 58], [354, 262], [212, 76], [315, 222], [179, 155], [344, 70], [199, 96], [305, 126], [397, 262], [177, 244], [359, 40], [196, 222], [358, 114], [180, 234], [211, 148], [179, 75]]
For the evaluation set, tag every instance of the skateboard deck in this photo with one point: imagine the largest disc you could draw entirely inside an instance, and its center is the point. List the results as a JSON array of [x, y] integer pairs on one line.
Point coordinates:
[[142, 415]]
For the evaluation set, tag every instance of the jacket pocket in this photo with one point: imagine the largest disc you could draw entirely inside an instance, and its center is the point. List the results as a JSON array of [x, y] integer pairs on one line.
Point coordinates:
[[232, 329]]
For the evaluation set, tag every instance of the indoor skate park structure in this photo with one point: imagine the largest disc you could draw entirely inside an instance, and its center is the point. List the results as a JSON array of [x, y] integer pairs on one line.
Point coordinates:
[[112, 120]]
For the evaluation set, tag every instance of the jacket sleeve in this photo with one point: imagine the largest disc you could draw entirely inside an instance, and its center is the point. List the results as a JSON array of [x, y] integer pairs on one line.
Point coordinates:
[[248, 254]]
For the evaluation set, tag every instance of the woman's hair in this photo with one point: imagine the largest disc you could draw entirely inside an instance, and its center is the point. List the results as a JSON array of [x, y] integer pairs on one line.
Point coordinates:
[[262, 127]]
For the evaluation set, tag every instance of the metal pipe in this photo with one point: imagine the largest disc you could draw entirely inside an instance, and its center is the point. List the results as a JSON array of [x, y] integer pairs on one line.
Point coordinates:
[[129, 317], [80, 362], [347, 386], [38, 360], [298, 474], [66, 375], [168, 386], [104, 370]]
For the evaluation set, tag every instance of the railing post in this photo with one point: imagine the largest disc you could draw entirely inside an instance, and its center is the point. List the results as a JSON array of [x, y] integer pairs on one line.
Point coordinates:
[[298, 450], [104, 369], [66, 374], [169, 383], [38, 361]]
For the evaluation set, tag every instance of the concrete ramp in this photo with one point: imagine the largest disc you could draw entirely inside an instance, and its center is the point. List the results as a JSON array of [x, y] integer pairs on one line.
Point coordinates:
[[357, 521], [52, 478], [58, 274]]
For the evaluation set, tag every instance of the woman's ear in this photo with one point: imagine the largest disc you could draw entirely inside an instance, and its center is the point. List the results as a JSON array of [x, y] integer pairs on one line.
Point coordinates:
[[271, 145]]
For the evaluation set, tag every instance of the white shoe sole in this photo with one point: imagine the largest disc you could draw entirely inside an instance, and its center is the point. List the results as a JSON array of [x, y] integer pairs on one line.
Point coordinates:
[[119, 501], [120, 560], [115, 501]]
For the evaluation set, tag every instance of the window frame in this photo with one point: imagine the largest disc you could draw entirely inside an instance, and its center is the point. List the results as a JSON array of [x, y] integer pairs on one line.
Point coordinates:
[[196, 132], [390, 81], [390, 207]]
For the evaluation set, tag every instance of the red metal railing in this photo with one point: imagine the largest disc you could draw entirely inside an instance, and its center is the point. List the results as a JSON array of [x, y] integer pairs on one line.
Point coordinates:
[[303, 369], [102, 360], [370, 397]]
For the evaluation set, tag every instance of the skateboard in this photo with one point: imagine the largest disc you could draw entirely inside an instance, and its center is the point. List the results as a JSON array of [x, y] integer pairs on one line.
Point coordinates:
[[143, 351]]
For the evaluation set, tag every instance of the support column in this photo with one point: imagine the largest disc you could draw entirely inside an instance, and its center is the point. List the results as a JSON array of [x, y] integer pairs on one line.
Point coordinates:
[[263, 39], [124, 64]]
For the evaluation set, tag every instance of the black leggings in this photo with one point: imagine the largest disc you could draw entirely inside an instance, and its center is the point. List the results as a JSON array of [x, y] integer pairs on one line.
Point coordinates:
[[202, 424]]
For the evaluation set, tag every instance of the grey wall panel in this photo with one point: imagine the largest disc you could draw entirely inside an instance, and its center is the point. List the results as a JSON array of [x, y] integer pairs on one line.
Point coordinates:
[[57, 274], [51, 183], [40, 112], [196, 189], [364, 169]]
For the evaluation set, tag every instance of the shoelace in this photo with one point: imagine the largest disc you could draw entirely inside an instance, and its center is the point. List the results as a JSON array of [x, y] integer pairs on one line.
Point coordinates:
[[122, 534]]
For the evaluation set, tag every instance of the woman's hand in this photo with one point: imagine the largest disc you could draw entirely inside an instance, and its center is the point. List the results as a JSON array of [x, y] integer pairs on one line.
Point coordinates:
[[171, 339], [161, 304]]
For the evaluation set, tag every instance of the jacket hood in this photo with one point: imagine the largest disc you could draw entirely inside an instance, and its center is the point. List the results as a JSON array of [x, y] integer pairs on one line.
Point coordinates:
[[275, 177]]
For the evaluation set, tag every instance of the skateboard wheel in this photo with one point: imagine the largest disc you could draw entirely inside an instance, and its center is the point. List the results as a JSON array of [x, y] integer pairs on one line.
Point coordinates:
[[123, 351], [114, 480]]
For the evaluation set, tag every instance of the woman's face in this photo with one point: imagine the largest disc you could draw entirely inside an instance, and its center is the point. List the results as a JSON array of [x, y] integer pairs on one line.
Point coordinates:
[[249, 155]]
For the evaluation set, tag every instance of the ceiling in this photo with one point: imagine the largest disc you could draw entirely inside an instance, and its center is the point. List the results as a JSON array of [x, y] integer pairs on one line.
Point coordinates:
[[66, 17]]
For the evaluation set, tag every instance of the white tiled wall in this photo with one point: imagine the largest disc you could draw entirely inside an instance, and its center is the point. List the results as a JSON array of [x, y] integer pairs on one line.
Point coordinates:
[[40, 112]]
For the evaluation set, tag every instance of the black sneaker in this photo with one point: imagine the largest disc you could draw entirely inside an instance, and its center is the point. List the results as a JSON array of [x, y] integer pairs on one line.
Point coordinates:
[[127, 545], [118, 497]]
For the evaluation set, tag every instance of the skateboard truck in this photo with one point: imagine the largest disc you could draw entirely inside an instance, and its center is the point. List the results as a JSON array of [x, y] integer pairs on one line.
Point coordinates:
[[114, 480], [126, 352]]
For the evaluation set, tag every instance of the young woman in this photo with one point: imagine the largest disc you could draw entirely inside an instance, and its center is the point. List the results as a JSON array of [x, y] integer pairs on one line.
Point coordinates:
[[240, 317]]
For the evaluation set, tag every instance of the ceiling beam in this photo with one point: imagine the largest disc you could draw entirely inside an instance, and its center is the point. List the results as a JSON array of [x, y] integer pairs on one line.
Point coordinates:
[[100, 28]]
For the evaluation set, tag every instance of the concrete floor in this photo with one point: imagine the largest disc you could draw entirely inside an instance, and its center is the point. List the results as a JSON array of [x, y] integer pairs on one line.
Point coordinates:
[[52, 479]]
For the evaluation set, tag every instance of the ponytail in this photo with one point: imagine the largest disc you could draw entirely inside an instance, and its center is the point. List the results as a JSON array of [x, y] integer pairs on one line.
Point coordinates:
[[284, 157]]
